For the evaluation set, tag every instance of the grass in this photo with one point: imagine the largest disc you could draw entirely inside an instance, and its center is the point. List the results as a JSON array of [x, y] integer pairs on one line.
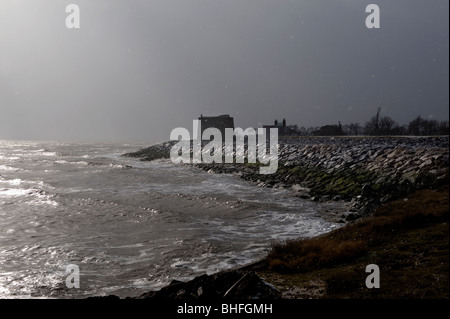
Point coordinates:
[[308, 254], [407, 238]]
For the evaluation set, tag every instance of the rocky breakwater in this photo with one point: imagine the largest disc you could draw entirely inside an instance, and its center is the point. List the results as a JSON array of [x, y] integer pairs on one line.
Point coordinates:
[[230, 284], [237, 284], [366, 171], [154, 152]]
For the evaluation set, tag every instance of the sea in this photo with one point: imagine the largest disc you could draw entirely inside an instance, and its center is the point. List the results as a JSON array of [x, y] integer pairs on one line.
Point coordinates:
[[132, 226]]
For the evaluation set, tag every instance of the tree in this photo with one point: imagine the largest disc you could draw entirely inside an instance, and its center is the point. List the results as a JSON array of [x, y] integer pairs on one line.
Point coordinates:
[[421, 126], [354, 128], [303, 131], [329, 130], [431, 127], [386, 125], [443, 128], [415, 127], [294, 130], [380, 125], [372, 127]]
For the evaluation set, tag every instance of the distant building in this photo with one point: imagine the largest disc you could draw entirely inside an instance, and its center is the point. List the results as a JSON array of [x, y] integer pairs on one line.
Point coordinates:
[[283, 130], [329, 130], [220, 122]]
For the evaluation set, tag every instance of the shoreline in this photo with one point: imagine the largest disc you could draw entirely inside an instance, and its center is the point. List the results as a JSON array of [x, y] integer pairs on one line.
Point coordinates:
[[376, 176], [363, 171]]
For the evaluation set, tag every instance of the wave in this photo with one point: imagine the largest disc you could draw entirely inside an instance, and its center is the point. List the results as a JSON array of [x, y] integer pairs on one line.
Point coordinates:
[[13, 192], [74, 163], [9, 168], [34, 196], [18, 181], [110, 165], [43, 152]]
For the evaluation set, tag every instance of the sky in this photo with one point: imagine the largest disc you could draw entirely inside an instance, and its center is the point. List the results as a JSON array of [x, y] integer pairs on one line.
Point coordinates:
[[135, 70]]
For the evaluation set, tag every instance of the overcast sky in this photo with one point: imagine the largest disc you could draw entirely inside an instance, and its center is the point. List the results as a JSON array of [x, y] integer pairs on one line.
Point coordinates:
[[137, 69]]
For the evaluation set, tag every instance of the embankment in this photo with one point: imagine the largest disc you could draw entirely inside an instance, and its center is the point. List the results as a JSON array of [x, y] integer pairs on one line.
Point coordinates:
[[366, 171], [398, 184]]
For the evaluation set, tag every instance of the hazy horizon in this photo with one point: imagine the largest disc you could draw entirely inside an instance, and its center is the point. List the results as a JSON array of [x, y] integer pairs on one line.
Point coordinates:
[[135, 70]]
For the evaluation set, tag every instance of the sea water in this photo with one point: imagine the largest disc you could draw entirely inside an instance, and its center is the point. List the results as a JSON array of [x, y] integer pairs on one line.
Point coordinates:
[[131, 226]]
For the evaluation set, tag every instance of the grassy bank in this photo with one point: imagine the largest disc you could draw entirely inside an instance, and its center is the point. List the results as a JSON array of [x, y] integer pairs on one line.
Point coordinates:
[[408, 239]]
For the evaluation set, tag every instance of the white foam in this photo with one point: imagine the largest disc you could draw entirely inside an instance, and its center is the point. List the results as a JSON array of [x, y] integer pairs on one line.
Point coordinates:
[[40, 198], [16, 181], [116, 165], [48, 154], [45, 202], [9, 168], [13, 192]]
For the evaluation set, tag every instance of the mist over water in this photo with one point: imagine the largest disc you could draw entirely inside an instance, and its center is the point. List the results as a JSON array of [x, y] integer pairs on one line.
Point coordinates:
[[131, 226]]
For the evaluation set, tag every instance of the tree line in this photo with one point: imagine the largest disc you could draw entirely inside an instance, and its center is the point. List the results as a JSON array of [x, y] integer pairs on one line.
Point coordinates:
[[378, 125]]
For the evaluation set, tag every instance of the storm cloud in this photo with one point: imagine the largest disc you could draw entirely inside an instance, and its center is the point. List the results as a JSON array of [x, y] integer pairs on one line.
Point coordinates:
[[137, 69]]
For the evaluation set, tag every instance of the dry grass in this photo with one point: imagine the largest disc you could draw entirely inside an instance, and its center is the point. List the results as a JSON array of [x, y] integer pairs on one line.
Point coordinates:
[[355, 240], [408, 239], [308, 254]]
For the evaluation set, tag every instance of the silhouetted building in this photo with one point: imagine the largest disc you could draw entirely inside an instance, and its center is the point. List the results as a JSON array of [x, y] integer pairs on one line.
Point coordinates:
[[220, 122], [329, 130], [283, 130]]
